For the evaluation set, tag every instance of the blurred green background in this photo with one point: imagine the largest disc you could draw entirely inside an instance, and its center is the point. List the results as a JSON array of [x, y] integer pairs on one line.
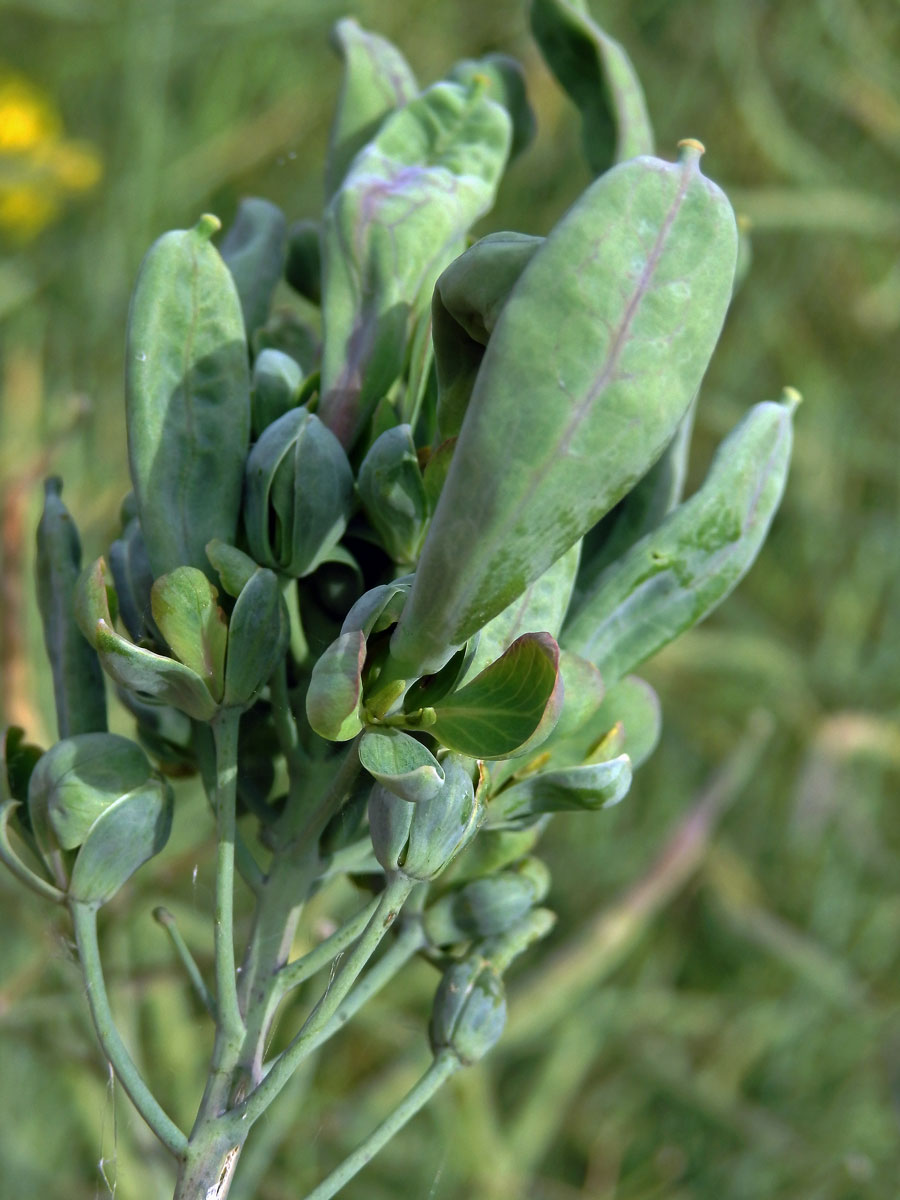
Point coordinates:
[[717, 1013]]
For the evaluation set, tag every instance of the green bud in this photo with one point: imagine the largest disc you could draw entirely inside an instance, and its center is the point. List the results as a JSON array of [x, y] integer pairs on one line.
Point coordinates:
[[299, 494], [419, 840], [487, 907], [257, 638], [393, 493], [274, 388], [469, 1010]]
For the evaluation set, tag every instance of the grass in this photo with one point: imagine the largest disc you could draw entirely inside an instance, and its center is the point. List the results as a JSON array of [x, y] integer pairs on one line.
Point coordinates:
[[716, 1017]]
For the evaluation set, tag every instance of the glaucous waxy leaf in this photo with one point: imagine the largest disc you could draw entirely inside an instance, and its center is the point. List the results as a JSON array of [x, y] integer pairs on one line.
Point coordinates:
[[640, 511], [234, 568], [133, 578], [632, 710], [78, 689], [593, 361], [396, 221], [78, 779], [509, 708], [258, 633], [131, 666], [254, 250], [303, 269], [590, 786], [401, 764], [299, 494], [393, 494], [469, 1010], [598, 75], [128, 833], [468, 297], [187, 614], [274, 388], [377, 80], [541, 606], [379, 607], [187, 394], [584, 689], [420, 840], [335, 688], [505, 82], [677, 574]]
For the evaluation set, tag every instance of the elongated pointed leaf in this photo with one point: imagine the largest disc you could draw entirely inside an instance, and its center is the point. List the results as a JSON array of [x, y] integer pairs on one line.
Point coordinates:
[[396, 221], [598, 75], [258, 635], [335, 689], [187, 391], [676, 575], [401, 764], [593, 786], [594, 360], [377, 80], [510, 707], [78, 689], [188, 616]]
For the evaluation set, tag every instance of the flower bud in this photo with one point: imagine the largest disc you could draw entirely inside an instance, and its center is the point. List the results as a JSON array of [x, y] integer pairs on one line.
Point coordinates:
[[469, 1010], [487, 907]]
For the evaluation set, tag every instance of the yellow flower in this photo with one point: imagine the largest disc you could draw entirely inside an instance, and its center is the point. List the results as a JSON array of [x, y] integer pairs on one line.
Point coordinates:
[[38, 166]]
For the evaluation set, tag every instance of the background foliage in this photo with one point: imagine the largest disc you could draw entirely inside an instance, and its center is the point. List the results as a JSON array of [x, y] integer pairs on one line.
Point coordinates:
[[716, 1016]]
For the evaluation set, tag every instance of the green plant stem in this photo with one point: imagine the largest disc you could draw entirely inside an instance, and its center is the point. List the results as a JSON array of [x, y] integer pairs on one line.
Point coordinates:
[[392, 900], [298, 643], [225, 731], [163, 917], [84, 919], [444, 1065], [293, 974]]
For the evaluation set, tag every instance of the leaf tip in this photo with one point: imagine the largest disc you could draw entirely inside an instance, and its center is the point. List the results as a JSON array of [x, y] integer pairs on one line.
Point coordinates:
[[791, 398], [690, 151], [207, 226]]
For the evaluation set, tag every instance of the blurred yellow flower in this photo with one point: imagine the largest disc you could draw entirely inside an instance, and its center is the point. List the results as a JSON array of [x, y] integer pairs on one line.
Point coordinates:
[[38, 166]]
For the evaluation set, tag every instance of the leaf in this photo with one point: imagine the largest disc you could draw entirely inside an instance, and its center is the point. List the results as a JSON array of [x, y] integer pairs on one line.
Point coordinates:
[[275, 388], [542, 606], [591, 787], [393, 494], [187, 398], [187, 615], [335, 688], [504, 81], [396, 221], [130, 568], [131, 831], [598, 75], [258, 635], [468, 298], [584, 690], [234, 568], [303, 269], [509, 708], [78, 689], [401, 764], [634, 706], [254, 249], [677, 574], [377, 80], [593, 361]]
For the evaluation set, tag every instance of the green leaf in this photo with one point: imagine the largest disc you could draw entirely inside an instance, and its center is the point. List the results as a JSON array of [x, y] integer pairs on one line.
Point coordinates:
[[187, 392], [598, 75], [594, 360], [468, 298], [510, 707], [588, 787], [126, 835], [393, 494], [78, 690], [234, 568], [148, 674], [677, 574], [541, 606], [335, 688], [254, 249], [130, 568], [401, 764], [504, 81], [396, 221], [377, 80], [275, 388], [258, 635], [78, 779], [584, 690], [631, 708], [187, 615]]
